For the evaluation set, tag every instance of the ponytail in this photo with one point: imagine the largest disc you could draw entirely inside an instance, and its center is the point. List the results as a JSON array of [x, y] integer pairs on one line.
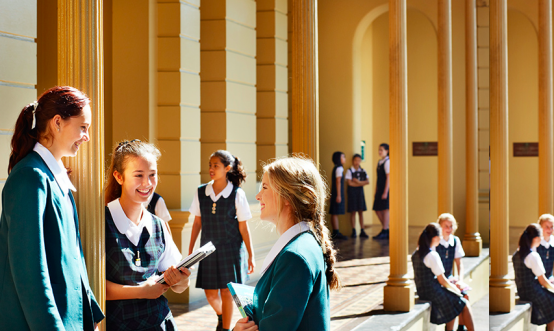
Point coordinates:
[[531, 232], [424, 242], [32, 123], [236, 175]]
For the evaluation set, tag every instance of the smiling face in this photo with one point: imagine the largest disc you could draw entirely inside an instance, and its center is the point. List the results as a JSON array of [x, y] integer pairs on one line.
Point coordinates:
[[217, 169], [72, 132], [139, 179], [547, 228], [446, 226], [268, 201]]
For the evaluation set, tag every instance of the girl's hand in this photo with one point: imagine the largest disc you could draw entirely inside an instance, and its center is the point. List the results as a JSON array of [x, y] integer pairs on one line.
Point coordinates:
[[244, 325], [338, 199], [174, 276], [251, 265], [384, 196], [153, 290]]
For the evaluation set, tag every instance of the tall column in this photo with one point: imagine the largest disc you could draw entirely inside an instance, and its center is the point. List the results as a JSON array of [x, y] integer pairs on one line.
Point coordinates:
[[472, 239], [80, 64], [502, 297], [398, 293], [228, 83], [305, 79], [272, 80], [178, 112], [546, 106], [446, 201]]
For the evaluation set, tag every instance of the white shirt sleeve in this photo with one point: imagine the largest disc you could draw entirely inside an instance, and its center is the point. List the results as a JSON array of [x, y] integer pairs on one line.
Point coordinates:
[[171, 255], [348, 174], [195, 206], [433, 262], [242, 206], [387, 166], [533, 261], [338, 172], [162, 211], [459, 249]]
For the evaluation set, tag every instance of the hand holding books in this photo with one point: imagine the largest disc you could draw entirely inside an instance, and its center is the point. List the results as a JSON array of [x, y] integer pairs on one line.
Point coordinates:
[[196, 256]]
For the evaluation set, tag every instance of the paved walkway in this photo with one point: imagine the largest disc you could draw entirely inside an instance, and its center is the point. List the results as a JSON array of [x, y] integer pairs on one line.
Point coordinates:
[[364, 269]]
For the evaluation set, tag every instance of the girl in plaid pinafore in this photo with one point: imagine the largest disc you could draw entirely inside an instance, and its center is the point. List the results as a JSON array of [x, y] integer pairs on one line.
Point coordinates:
[[221, 211], [138, 245], [532, 284], [432, 285], [546, 248]]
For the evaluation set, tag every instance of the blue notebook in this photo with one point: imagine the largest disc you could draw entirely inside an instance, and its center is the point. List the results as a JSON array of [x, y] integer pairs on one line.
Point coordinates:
[[244, 297]]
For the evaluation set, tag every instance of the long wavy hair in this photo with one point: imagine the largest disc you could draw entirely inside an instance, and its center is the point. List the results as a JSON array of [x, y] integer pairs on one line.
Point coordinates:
[[297, 181]]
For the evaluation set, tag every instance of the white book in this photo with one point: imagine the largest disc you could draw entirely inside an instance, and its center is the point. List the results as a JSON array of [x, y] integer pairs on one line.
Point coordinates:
[[196, 256]]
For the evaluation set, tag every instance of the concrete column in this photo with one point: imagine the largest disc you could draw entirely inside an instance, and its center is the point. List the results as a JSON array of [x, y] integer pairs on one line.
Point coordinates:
[[80, 64], [445, 191], [502, 296], [272, 80], [472, 241], [228, 82], [399, 292], [305, 79], [546, 106]]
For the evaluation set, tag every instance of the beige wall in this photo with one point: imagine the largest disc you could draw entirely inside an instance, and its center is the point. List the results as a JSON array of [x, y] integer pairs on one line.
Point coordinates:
[[338, 106], [18, 69], [523, 93]]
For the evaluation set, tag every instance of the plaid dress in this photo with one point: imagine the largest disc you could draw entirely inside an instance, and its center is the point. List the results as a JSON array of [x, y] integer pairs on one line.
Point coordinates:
[[529, 289], [547, 257], [135, 314], [447, 257], [229, 262], [379, 203], [356, 197], [445, 305], [334, 207]]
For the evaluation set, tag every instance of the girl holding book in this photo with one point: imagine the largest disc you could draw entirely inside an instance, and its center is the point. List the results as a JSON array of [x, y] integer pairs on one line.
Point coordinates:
[[546, 248], [43, 275], [298, 272], [138, 244], [531, 281], [221, 212], [432, 285]]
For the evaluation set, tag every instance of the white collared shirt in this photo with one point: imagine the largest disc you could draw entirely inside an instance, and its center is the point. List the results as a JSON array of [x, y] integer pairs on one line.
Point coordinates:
[[339, 172], [433, 261], [548, 243], [160, 209], [533, 261], [283, 240], [352, 170], [387, 164], [459, 250], [59, 172], [241, 203], [171, 255]]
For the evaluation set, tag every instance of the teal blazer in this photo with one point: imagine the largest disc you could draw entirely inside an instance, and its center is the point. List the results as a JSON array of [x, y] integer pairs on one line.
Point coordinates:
[[293, 293], [43, 276]]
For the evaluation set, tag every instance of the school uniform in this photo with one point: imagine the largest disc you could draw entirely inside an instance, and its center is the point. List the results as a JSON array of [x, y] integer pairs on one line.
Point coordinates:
[[43, 275], [383, 169], [135, 253], [445, 305], [221, 215], [334, 207], [529, 289], [448, 252], [356, 197], [156, 206], [546, 251], [292, 293]]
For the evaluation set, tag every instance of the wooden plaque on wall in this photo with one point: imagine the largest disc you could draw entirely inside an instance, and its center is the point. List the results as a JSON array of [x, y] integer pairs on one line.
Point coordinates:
[[428, 148], [526, 149]]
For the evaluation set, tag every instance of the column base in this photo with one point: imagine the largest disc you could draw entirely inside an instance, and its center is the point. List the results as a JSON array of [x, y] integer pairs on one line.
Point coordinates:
[[473, 246], [501, 299], [398, 298]]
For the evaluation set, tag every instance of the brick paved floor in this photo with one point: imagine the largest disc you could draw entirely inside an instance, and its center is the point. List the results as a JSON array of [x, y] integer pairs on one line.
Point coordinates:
[[363, 266]]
